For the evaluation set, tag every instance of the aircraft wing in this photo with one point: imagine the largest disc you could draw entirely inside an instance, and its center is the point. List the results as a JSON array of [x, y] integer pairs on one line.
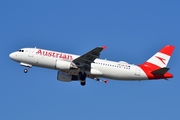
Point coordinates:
[[89, 57]]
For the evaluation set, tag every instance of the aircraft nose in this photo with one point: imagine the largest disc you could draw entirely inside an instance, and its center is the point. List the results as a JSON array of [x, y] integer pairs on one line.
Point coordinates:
[[12, 55]]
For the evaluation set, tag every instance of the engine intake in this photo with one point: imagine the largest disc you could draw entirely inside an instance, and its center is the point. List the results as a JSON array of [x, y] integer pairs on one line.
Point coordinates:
[[65, 77]]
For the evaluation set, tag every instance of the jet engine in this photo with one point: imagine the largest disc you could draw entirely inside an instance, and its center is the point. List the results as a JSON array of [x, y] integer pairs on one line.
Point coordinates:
[[64, 65], [65, 77]]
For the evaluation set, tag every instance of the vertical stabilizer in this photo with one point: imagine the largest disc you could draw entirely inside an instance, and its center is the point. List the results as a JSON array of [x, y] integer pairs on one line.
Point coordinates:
[[155, 67], [162, 57]]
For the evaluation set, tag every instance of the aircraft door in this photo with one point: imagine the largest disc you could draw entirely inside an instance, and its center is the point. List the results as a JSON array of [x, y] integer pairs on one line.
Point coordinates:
[[31, 52], [137, 71]]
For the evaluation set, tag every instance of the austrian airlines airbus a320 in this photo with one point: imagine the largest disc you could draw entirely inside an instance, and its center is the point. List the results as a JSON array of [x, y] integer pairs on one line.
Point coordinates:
[[72, 67]]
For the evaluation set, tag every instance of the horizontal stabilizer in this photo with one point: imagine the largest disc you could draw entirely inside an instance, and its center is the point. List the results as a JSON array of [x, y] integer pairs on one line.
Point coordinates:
[[160, 71]]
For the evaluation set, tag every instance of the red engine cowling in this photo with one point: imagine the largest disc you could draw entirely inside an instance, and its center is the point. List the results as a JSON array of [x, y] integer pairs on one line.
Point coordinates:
[[65, 77]]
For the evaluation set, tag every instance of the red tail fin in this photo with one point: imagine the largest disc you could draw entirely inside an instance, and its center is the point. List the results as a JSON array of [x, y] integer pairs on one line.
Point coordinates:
[[157, 64]]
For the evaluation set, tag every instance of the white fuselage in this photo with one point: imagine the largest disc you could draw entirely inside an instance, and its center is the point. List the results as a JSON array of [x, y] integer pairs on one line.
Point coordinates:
[[100, 68]]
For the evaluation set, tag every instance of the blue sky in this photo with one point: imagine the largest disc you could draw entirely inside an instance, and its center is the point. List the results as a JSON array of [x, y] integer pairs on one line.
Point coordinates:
[[133, 31]]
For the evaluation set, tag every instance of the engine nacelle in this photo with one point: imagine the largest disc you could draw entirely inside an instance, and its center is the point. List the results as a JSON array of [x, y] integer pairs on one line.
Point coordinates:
[[65, 77], [64, 65]]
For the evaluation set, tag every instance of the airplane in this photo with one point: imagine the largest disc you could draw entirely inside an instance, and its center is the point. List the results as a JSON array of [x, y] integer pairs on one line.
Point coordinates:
[[73, 67]]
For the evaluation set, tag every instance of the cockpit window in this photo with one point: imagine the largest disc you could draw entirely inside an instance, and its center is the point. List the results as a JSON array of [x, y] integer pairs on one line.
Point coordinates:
[[21, 50]]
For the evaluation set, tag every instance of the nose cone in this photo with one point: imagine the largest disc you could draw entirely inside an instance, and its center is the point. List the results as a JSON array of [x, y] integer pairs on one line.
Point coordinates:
[[12, 55]]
